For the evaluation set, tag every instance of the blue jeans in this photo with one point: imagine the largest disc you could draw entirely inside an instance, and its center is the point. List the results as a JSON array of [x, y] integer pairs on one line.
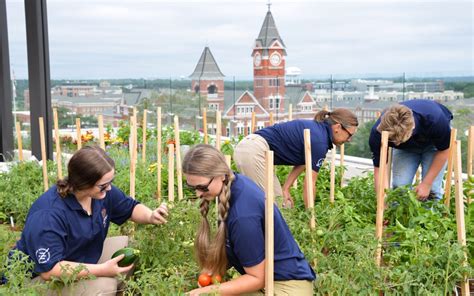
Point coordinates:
[[406, 162]]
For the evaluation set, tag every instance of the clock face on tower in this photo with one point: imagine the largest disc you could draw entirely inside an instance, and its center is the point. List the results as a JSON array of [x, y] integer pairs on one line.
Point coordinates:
[[275, 59], [257, 59]]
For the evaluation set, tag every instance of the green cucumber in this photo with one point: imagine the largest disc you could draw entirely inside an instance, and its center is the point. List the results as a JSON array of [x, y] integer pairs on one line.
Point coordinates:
[[131, 255]]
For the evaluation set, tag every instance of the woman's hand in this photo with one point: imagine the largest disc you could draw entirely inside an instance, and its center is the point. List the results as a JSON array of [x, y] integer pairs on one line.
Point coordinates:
[[287, 199], [158, 215], [199, 291], [110, 267]]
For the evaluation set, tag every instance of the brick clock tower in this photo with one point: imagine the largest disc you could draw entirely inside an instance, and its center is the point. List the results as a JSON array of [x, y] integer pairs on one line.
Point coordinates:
[[269, 67]]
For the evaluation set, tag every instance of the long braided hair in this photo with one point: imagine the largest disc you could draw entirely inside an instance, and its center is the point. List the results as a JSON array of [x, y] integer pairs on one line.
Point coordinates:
[[206, 161]]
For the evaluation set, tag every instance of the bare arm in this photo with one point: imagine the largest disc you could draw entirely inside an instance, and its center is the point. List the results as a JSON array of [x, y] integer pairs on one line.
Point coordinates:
[[106, 269], [439, 159], [252, 281], [292, 176], [143, 215]]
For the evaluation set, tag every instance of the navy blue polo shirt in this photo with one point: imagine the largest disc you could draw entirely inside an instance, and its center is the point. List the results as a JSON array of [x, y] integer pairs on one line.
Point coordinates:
[[432, 127], [245, 243], [59, 228], [286, 140]]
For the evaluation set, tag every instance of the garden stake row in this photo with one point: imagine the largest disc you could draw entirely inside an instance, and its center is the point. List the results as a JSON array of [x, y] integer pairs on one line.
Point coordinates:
[[20, 141], [332, 179], [309, 177], [459, 200], [133, 153], [271, 119], [269, 226], [341, 163], [58, 143], [253, 122], [290, 112], [78, 133], [389, 167], [380, 191], [470, 152], [158, 153], [449, 171], [218, 130], [179, 169], [44, 160]]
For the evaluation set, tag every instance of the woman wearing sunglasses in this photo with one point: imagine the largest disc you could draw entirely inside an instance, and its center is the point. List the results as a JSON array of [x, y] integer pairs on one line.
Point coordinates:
[[286, 140], [67, 225], [240, 238]]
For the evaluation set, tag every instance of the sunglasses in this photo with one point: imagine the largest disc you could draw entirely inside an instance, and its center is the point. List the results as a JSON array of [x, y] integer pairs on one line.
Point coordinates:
[[103, 187], [202, 188], [350, 134]]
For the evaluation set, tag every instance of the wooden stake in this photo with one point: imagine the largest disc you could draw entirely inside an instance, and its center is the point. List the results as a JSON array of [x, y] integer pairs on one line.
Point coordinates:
[[269, 224], [290, 112], [271, 119], [332, 179], [100, 121], [228, 160], [133, 130], [470, 149], [459, 200], [78, 133], [341, 162], [58, 144], [179, 169], [204, 125], [309, 176], [144, 136], [449, 171], [44, 160], [218, 130], [389, 166], [158, 153], [381, 196], [170, 172], [253, 122], [20, 141]]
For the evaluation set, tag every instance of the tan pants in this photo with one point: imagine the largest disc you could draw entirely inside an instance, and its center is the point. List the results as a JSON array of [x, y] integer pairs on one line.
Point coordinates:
[[101, 285], [289, 288], [249, 156]]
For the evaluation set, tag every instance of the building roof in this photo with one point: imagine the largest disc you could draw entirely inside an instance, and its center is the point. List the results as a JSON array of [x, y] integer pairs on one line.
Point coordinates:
[[207, 67], [269, 34]]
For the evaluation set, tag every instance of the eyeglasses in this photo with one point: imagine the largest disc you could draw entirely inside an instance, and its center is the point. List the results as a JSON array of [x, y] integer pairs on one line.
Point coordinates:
[[103, 187], [203, 188], [350, 134]]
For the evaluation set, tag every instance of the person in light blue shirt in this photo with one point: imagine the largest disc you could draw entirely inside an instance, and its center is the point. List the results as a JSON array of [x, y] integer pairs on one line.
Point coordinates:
[[419, 132], [68, 224], [240, 238]]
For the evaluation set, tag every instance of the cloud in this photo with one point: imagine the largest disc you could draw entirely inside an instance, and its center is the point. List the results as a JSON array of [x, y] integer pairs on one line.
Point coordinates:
[[111, 39]]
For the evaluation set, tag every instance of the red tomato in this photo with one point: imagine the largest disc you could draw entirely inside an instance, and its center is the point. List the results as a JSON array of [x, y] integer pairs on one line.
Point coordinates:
[[204, 280], [217, 279]]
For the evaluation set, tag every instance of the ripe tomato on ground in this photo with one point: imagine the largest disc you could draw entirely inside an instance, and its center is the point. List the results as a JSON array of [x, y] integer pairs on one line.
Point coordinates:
[[204, 280]]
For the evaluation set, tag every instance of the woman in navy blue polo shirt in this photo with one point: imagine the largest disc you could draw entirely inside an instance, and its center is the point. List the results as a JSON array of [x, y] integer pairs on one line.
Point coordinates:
[[286, 140], [419, 132], [67, 225], [240, 239]]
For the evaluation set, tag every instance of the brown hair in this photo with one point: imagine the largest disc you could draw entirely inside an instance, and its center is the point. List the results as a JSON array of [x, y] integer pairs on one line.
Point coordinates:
[[206, 161], [398, 121], [87, 166], [342, 116]]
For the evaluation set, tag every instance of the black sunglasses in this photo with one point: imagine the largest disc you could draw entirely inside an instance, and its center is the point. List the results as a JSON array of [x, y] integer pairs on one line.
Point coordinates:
[[203, 188], [103, 187], [344, 128]]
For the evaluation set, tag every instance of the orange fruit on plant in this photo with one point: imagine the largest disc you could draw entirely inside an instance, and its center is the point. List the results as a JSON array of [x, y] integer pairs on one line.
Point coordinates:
[[204, 280], [217, 279]]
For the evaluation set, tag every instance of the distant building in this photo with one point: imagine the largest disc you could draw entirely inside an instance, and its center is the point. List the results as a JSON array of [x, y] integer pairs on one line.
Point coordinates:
[[208, 81], [292, 76]]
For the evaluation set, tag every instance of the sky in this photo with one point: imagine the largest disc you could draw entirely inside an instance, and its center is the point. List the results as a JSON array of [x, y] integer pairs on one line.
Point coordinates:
[[105, 39]]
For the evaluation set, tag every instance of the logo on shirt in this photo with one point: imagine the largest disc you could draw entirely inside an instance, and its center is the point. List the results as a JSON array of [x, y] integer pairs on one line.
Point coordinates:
[[104, 217], [42, 255], [320, 162]]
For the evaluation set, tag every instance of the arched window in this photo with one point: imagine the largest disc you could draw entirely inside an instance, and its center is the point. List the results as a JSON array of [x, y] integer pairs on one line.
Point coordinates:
[[212, 89]]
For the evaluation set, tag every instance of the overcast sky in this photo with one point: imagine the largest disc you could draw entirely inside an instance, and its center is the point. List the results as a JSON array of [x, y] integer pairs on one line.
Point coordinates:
[[159, 39]]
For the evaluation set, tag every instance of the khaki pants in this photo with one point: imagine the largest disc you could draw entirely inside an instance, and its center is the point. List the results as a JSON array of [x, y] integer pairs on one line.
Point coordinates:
[[249, 156], [101, 285], [289, 288]]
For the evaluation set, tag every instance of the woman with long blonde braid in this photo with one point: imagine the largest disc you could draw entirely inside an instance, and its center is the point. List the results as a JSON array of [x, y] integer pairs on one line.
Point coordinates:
[[240, 240]]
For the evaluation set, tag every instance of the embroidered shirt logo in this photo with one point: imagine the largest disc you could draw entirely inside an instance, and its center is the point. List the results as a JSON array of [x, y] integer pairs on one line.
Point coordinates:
[[320, 162], [42, 255], [104, 217]]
